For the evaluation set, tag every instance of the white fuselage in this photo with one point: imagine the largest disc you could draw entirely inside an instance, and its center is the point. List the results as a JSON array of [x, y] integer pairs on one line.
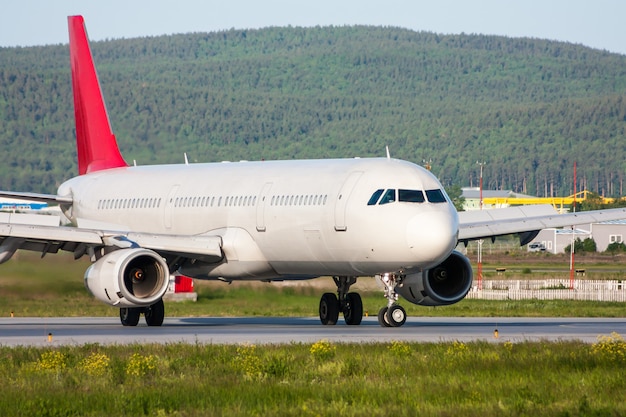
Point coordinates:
[[279, 219]]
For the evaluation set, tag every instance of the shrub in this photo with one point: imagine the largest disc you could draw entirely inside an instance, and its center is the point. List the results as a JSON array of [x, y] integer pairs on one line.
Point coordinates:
[[587, 245], [139, 365], [616, 247], [322, 350], [248, 362], [457, 349], [612, 347], [96, 364], [399, 348], [276, 366], [51, 361]]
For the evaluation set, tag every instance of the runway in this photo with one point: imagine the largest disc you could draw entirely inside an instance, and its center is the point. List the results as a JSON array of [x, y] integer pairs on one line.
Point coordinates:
[[56, 331]]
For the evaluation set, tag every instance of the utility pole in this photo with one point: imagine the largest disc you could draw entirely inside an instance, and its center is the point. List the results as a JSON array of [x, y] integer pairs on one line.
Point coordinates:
[[573, 244], [480, 241]]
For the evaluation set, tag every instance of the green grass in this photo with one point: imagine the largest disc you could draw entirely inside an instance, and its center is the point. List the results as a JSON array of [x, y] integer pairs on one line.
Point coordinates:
[[322, 379]]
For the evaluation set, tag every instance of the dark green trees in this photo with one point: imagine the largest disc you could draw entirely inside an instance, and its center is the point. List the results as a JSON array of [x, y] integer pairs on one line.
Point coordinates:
[[528, 107]]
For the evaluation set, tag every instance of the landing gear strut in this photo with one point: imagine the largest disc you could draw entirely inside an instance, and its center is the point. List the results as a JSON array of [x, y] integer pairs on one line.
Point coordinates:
[[392, 315], [349, 303], [154, 314]]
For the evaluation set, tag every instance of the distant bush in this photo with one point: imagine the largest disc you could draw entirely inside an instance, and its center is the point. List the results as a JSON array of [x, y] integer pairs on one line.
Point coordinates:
[[616, 247], [588, 245]]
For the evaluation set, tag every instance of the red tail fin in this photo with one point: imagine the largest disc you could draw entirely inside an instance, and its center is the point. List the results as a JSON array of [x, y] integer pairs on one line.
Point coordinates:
[[95, 141]]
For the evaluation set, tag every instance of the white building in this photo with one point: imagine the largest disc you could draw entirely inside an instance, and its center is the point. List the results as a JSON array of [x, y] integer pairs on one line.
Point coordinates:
[[604, 233], [556, 240]]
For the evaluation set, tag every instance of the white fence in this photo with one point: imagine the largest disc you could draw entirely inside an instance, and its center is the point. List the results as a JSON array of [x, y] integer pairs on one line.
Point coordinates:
[[550, 289]]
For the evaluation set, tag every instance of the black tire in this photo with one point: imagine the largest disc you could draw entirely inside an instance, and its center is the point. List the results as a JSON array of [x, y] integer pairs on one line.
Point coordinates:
[[329, 309], [129, 316], [155, 314], [396, 316], [353, 312], [382, 317]]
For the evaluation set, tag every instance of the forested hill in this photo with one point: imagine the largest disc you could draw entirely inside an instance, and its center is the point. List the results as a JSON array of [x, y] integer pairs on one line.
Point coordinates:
[[529, 108]]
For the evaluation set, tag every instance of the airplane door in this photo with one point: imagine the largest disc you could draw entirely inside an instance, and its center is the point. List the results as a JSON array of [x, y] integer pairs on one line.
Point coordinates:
[[342, 200], [169, 204], [260, 207]]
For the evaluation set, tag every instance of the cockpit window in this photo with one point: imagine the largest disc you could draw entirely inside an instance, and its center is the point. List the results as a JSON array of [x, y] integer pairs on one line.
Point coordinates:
[[411, 196], [374, 198], [435, 196], [406, 196], [388, 197]]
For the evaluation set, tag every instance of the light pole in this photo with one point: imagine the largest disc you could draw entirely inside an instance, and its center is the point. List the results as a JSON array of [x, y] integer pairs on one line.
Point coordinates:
[[480, 241], [573, 244]]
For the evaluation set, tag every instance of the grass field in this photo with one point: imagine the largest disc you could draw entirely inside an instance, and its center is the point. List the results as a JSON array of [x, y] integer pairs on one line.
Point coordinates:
[[320, 379]]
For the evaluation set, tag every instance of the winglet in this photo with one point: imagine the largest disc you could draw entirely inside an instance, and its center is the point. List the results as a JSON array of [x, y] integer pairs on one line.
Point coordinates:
[[95, 141]]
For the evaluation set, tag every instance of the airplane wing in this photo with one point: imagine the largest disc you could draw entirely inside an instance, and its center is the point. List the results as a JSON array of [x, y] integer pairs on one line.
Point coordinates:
[[527, 221], [42, 233], [43, 198]]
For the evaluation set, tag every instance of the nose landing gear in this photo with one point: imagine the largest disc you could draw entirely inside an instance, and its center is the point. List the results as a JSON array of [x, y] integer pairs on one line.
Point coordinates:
[[392, 315]]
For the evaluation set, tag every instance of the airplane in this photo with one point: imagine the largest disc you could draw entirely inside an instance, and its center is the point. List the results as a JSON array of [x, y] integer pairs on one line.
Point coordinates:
[[264, 221]]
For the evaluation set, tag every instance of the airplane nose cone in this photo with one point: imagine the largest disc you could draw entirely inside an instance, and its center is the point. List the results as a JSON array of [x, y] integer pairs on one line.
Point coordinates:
[[431, 236]]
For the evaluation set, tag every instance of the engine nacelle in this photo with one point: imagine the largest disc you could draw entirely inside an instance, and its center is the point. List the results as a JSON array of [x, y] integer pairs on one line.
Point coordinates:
[[446, 283], [128, 278]]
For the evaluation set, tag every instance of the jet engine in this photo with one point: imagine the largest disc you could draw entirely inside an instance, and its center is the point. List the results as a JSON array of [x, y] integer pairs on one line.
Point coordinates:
[[128, 278], [446, 283]]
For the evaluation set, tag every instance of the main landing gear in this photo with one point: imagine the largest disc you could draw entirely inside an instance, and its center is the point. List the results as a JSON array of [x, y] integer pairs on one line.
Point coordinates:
[[154, 314], [349, 303], [393, 315]]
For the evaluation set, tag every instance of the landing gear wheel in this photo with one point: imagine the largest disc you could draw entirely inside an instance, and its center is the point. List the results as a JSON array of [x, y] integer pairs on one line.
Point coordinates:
[[396, 316], [155, 314], [382, 317], [129, 316], [329, 309], [353, 311]]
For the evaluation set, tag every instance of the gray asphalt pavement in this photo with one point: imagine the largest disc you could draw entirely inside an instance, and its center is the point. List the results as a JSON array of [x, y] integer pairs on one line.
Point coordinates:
[[263, 330]]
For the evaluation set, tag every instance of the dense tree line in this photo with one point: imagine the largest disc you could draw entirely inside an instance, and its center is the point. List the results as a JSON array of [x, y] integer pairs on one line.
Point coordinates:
[[527, 107]]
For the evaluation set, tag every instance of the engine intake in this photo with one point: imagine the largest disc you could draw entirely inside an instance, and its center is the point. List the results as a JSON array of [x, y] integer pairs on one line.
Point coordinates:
[[446, 283], [128, 278]]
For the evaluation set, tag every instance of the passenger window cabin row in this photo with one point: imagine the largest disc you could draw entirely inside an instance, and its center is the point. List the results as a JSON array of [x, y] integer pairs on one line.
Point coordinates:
[[299, 200], [128, 203], [211, 201], [230, 201], [206, 201]]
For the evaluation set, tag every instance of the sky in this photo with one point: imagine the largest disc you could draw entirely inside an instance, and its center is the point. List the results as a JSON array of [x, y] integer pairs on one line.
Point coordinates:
[[598, 24]]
